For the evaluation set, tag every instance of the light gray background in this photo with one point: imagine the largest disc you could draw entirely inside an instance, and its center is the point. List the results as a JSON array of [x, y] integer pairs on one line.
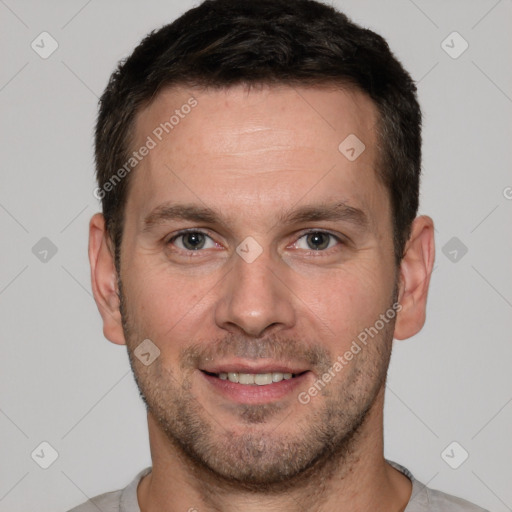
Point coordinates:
[[63, 383]]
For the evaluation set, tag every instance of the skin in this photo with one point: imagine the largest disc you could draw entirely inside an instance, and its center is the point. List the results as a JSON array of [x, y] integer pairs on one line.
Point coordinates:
[[255, 155]]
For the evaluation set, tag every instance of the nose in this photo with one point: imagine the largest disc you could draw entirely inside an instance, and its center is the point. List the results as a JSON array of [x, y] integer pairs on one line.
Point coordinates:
[[254, 298]]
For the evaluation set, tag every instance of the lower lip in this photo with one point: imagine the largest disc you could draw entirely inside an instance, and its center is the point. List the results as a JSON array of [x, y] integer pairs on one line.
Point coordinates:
[[254, 394]]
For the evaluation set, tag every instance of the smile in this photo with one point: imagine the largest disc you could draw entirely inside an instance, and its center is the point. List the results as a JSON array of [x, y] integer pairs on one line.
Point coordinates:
[[254, 379], [251, 387]]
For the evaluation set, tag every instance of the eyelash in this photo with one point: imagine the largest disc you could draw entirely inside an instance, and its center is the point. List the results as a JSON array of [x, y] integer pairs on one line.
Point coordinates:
[[185, 232], [305, 233]]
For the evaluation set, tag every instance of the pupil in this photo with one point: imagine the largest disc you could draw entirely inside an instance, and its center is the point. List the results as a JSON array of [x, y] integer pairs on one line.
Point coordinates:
[[318, 241], [193, 241]]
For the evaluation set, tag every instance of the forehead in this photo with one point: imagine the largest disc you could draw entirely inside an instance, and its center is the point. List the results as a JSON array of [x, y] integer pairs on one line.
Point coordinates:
[[238, 118], [269, 145]]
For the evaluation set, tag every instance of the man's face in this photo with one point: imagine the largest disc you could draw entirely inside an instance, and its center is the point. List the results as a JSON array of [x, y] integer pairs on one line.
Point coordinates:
[[287, 257]]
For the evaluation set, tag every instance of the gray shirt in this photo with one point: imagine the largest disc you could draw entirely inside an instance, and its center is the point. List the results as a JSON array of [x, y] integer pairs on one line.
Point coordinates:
[[422, 499]]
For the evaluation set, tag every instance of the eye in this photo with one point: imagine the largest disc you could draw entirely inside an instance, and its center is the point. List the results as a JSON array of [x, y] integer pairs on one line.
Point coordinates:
[[316, 241], [192, 241]]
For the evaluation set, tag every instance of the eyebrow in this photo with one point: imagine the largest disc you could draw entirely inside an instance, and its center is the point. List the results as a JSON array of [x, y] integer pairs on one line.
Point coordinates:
[[309, 213], [326, 212]]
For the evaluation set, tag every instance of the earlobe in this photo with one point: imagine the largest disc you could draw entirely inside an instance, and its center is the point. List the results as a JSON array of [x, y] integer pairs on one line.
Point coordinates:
[[415, 271], [104, 280]]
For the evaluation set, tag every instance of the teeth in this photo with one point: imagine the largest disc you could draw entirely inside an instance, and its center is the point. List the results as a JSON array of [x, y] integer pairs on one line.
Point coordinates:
[[246, 378], [263, 378], [260, 379]]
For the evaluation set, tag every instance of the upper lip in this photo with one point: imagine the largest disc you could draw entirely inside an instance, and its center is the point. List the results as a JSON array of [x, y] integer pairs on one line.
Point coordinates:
[[253, 367]]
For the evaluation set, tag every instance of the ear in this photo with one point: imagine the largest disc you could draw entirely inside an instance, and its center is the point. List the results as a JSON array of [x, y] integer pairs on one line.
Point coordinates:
[[104, 280], [415, 271]]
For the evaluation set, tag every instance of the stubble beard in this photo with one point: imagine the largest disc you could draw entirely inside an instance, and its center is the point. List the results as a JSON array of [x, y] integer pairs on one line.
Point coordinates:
[[254, 457]]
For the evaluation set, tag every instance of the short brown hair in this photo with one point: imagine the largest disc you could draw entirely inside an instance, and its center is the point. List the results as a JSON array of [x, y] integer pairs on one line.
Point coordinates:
[[222, 43]]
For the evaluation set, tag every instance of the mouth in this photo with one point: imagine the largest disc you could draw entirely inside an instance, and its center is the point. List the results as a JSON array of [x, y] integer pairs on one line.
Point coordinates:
[[247, 384], [254, 379]]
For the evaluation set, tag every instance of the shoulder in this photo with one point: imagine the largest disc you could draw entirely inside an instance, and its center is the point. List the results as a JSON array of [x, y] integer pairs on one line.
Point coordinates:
[[108, 502], [438, 500], [123, 500], [424, 499]]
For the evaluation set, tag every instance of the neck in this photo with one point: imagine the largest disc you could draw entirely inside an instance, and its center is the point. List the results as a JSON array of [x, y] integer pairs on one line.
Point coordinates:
[[359, 480]]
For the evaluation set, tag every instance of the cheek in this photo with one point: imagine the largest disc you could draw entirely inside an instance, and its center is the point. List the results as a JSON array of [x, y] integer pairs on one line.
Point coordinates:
[[346, 301], [169, 309]]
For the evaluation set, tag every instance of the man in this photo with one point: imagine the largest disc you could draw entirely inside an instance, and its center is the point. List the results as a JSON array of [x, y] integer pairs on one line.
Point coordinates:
[[258, 165]]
